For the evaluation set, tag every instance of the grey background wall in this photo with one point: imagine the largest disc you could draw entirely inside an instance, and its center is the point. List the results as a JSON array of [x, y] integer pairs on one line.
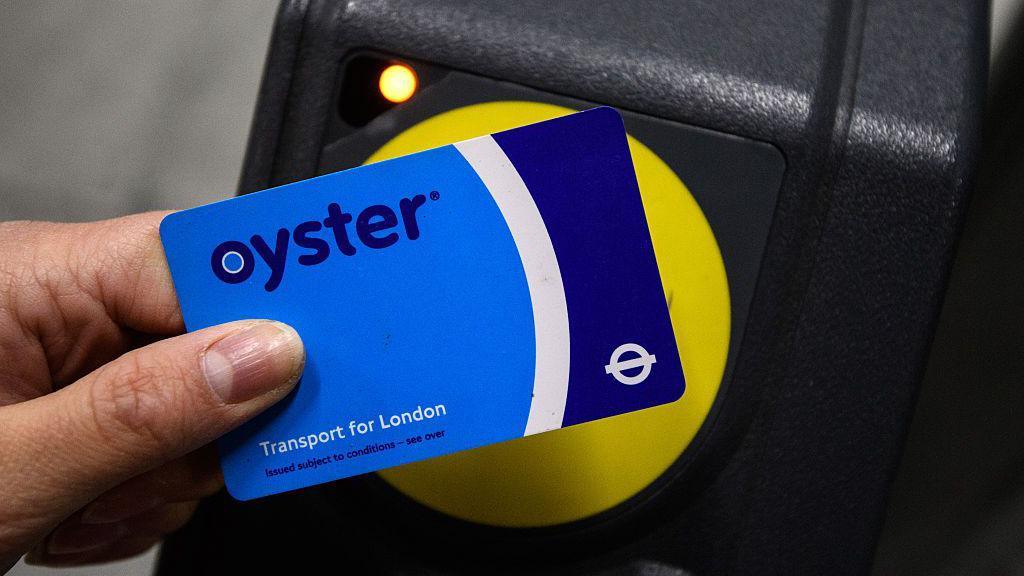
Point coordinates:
[[116, 107]]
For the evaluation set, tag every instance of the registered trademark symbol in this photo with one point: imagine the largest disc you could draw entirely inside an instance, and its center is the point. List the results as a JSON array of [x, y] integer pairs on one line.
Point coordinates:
[[435, 195]]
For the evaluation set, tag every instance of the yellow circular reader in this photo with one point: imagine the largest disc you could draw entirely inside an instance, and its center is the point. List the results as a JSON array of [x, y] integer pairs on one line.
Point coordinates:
[[567, 475]]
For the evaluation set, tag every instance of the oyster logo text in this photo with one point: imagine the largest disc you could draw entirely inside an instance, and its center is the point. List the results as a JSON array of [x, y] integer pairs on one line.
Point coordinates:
[[375, 227]]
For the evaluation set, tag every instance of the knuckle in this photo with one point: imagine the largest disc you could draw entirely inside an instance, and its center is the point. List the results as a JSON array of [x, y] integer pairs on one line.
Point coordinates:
[[207, 485], [195, 476], [179, 518], [135, 400], [165, 519]]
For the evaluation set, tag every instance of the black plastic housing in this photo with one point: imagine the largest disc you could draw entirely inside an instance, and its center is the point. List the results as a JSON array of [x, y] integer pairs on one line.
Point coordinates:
[[875, 106]]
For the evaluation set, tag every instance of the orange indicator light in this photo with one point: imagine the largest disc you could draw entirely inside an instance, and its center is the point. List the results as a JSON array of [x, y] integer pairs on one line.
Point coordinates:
[[397, 83]]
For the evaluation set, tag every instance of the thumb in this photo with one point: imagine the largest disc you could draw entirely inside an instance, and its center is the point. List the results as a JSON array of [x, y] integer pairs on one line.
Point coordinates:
[[150, 406]]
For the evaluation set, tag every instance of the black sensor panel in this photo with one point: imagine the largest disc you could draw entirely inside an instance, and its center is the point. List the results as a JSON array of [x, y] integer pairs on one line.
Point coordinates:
[[875, 106]]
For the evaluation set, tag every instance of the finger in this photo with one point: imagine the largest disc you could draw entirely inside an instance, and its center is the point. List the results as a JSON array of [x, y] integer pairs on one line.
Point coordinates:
[[60, 451], [131, 274], [121, 263], [79, 292], [191, 477], [120, 550], [163, 520], [73, 537], [118, 263]]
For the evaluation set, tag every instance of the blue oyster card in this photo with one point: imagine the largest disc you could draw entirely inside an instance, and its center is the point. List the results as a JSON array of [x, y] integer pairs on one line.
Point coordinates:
[[461, 296]]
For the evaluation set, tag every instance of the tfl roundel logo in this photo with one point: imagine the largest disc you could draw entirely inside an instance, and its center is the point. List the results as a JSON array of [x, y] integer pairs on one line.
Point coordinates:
[[639, 359]]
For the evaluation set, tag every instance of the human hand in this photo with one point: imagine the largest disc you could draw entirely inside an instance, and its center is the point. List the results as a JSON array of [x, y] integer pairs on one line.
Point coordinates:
[[103, 435]]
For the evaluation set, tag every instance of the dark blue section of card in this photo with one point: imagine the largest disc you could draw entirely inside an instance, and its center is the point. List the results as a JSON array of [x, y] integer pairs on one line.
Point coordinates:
[[579, 170]]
